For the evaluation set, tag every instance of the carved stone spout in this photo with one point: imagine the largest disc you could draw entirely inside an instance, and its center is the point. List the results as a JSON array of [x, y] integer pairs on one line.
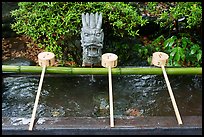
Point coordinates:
[[92, 39]]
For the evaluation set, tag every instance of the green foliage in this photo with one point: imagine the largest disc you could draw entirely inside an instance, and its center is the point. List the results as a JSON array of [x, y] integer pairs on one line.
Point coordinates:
[[183, 47], [57, 25], [181, 50], [191, 11]]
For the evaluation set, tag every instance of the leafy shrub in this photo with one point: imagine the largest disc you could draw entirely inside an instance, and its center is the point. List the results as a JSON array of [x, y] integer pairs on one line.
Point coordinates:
[[182, 40], [57, 25], [181, 50], [173, 11]]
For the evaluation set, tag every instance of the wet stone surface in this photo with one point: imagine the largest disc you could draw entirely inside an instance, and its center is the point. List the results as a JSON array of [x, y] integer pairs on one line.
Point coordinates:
[[19, 61]]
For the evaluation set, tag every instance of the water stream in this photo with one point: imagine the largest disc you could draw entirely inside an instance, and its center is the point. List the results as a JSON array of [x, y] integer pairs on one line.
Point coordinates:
[[79, 96]]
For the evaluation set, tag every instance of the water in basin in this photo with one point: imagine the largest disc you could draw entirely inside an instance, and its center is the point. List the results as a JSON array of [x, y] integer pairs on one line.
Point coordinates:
[[80, 96]]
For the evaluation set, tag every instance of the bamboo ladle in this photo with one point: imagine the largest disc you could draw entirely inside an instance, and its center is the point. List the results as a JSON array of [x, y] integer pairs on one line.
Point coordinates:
[[45, 59], [109, 60], [160, 59]]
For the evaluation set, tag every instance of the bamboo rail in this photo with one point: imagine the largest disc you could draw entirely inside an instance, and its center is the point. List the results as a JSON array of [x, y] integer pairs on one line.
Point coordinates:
[[103, 71]]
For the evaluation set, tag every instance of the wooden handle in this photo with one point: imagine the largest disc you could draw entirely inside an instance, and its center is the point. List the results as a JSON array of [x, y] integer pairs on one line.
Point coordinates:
[[172, 96], [37, 99], [110, 98]]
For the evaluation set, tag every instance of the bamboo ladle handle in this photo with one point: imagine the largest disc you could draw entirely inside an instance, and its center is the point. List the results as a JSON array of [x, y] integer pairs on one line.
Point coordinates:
[[110, 97], [45, 59], [160, 59], [172, 96], [37, 98], [109, 60]]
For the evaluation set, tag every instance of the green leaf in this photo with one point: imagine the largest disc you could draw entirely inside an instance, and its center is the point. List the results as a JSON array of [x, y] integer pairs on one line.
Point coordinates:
[[181, 53], [169, 42], [193, 51], [177, 55], [184, 42], [174, 50], [176, 64], [199, 55]]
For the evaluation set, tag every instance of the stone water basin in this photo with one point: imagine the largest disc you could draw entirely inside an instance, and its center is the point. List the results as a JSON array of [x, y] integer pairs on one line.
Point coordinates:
[[72, 97]]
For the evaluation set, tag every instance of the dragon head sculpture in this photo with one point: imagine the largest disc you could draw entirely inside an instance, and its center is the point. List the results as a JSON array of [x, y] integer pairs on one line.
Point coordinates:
[[92, 39]]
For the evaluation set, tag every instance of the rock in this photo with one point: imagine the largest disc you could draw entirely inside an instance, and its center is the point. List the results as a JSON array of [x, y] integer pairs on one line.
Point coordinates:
[[7, 19], [7, 7], [19, 61], [133, 112], [101, 105]]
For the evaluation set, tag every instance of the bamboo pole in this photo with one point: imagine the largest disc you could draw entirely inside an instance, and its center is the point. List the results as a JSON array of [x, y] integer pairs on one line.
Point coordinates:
[[172, 96], [44, 59], [110, 97], [109, 60], [37, 99], [103, 71], [160, 59]]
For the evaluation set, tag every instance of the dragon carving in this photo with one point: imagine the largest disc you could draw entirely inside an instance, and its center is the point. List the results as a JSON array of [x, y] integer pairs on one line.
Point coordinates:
[[92, 39]]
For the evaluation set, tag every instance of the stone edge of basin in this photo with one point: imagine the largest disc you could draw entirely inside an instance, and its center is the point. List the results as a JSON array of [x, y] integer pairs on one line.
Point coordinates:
[[149, 125]]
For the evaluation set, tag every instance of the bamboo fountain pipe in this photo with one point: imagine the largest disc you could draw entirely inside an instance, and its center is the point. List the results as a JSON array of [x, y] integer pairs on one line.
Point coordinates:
[[131, 70], [160, 59], [45, 59]]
